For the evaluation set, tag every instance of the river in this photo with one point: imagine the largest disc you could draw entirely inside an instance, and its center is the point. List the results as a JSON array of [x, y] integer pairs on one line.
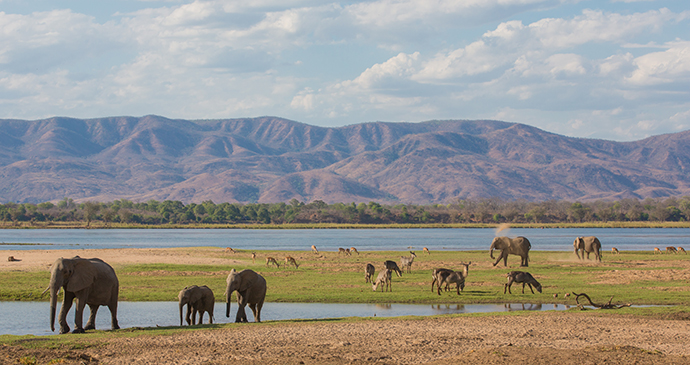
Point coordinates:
[[456, 239]]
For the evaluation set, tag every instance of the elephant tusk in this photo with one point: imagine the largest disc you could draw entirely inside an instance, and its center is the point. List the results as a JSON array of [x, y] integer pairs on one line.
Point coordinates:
[[44, 292]]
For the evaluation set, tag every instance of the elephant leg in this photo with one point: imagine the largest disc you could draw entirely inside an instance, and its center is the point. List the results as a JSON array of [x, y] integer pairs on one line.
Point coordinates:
[[91, 323], [66, 306], [525, 261], [114, 325], [79, 315], [252, 306], [505, 258], [188, 314], [257, 314], [241, 315], [194, 312], [588, 255]]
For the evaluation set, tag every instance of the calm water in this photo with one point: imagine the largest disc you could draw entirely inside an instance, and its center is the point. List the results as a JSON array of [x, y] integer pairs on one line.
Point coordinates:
[[22, 318], [552, 239]]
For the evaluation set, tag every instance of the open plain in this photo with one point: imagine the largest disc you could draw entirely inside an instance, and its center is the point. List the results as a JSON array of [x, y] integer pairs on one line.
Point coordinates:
[[627, 336]]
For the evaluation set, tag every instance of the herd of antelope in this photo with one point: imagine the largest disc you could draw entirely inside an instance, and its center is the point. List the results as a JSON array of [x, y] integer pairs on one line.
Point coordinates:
[[441, 277]]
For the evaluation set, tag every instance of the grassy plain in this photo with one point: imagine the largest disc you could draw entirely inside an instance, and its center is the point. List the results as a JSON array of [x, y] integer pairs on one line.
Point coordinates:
[[327, 277]]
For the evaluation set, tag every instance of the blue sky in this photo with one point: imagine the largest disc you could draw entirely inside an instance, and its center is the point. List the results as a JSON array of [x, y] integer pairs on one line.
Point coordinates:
[[611, 69]]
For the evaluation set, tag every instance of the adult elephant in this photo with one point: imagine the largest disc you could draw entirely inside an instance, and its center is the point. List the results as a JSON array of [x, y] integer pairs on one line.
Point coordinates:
[[511, 246], [198, 299], [89, 281], [251, 289], [587, 245]]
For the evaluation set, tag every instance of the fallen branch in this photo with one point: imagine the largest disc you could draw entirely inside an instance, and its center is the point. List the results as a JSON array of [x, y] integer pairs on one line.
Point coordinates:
[[598, 306]]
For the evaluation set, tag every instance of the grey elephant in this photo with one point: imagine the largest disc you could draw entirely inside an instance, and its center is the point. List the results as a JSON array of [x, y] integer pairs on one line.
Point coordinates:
[[587, 245], [199, 299], [511, 246], [251, 289], [89, 281]]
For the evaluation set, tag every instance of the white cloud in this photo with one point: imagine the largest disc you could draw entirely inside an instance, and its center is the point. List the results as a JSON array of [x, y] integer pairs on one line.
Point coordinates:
[[670, 66]]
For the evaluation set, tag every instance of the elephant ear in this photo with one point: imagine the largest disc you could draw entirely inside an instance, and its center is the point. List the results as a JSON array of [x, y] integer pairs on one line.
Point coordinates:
[[83, 276], [247, 281]]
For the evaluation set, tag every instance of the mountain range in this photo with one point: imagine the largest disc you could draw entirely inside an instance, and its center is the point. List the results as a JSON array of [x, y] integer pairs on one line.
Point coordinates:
[[270, 159]]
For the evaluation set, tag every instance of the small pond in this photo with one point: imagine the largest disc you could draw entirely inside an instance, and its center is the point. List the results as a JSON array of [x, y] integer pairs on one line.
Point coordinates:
[[22, 318]]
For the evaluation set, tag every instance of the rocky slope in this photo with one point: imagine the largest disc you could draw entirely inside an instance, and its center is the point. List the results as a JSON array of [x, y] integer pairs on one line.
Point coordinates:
[[271, 159]]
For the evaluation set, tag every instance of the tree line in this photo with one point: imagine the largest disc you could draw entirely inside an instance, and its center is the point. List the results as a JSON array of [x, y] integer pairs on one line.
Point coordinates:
[[490, 210]]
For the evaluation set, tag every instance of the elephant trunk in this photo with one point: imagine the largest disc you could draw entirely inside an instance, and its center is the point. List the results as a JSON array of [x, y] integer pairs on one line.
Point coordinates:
[[181, 305], [227, 304], [491, 250], [53, 304]]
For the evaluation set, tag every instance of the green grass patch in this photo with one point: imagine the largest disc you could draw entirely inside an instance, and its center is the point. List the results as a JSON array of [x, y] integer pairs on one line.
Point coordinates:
[[631, 277]]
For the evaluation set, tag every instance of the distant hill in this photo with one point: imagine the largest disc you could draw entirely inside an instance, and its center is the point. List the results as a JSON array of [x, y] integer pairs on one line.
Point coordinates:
[[271, 159]]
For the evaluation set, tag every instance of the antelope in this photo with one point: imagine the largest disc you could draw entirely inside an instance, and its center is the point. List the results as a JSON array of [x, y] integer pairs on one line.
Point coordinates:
[[657, 250], [229, 249], [521, 277], [290, 259], [313, 249], [456, 277], [11, 259], [680, 249], [426, 250], [352, 249], [614, 250], [384, 279], [435, 275], [345, 251], [406, 262], [391, 265], [369, 273], [253, 257], [272, 260], [671, 249]]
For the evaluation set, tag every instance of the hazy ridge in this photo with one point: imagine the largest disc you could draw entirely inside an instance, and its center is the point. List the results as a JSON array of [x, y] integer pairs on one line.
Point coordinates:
[[270, 159]]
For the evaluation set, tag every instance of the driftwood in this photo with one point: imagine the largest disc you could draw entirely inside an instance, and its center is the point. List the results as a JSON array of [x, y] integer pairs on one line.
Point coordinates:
[[598, 306]]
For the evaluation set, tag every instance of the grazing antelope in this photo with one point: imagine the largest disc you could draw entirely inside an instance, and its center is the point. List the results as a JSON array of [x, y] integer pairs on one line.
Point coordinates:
[[352, 249], [392, 266], [253, 257], [671, 249], [270, 260], [680, 249], [406, 262], [12, 259], [369, 273], [345, 251], [291, 260], [230, 249], [521, 277], [384, 279], [313, 249], [426, 250], [657, 250], [439, 273], [457, 277], [614, 250]]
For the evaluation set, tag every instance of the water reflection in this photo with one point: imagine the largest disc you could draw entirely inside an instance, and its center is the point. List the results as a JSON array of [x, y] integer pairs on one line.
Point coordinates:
[[35, 315]]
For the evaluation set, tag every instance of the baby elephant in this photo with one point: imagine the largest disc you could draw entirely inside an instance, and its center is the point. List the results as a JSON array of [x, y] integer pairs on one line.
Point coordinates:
[[521, 277]]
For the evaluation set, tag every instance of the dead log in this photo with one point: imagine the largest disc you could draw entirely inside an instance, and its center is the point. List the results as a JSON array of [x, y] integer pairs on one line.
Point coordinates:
[[598, 306]]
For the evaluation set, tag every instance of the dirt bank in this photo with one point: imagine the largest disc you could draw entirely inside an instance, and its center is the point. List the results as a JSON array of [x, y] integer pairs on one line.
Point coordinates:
[[561, 338]]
